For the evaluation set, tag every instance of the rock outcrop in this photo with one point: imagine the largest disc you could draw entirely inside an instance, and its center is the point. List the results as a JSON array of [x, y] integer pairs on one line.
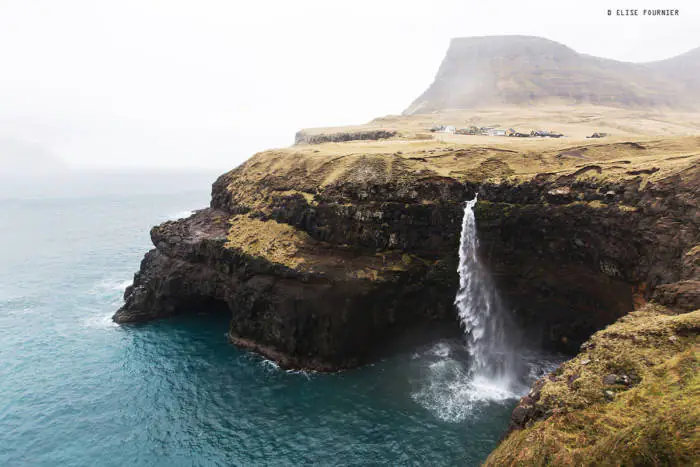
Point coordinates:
[[308, 137], [325, 260]]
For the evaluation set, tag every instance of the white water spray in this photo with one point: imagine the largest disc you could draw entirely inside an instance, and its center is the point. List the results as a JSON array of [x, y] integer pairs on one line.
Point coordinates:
[[490, 339], [498, 367]]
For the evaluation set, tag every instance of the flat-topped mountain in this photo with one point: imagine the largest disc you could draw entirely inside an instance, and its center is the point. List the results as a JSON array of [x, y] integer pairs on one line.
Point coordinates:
[[480, 72]]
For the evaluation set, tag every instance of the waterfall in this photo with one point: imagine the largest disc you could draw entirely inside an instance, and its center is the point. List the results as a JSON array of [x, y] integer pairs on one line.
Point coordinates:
[[495, 365], [486, 322]]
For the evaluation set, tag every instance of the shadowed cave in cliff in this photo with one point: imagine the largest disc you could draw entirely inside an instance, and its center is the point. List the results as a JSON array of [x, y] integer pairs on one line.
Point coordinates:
[[558, 296], [202, 305], [559, 309]]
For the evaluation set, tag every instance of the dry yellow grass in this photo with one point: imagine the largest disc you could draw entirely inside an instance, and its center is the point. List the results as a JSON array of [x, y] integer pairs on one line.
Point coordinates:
[[576, 122], [640, 140], [284, 245], [311, 168], [653, 422], [278, 243]]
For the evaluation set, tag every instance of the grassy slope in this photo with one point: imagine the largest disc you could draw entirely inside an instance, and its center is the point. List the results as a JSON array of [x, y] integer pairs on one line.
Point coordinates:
[[576, 122], [652, 421], [311, 168]]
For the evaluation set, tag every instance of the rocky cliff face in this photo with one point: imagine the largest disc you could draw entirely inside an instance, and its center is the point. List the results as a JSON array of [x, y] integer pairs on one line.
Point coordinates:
[[307, 137], [319, 282], [326, 260]]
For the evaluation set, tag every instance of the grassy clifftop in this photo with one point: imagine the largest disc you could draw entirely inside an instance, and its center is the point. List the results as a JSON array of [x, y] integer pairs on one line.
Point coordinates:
[[629, 398], [311, 169], [357, 178]]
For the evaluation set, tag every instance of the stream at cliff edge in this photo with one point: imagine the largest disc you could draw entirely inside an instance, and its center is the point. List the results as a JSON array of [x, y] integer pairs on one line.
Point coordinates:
[[75, 389]]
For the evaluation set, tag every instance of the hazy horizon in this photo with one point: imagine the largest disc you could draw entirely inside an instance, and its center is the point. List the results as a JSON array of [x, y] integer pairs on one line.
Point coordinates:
[[172, 84]]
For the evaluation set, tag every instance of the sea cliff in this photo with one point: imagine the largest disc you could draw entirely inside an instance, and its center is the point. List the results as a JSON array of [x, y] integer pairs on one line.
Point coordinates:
[[324, 258], [328, 256]]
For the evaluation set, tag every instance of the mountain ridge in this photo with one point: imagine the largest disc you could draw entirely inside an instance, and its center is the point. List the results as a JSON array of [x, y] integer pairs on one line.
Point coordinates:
[[486, 71]]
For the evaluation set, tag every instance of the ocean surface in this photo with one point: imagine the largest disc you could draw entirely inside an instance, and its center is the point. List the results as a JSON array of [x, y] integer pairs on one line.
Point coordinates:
[[76, 389]]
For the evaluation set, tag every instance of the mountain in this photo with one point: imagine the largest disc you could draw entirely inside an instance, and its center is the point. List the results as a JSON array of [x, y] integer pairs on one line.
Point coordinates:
[[683, 69], [491, 71]]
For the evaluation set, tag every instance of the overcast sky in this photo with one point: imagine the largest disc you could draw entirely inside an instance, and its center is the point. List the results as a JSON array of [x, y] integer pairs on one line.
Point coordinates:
[[207, 83]]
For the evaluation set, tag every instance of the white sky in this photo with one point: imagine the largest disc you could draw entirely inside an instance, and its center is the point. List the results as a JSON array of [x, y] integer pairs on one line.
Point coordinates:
[[207, 83]]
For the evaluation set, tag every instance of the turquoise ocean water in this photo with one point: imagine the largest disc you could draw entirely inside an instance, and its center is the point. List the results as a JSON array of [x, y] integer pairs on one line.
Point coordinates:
[[76, 389]]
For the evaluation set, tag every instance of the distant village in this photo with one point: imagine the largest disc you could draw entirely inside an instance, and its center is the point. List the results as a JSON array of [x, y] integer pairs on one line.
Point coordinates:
[[491, 131]]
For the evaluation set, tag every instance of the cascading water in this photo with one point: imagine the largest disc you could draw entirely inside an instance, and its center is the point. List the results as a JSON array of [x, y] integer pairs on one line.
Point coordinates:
[[497, 367], [490, 335]]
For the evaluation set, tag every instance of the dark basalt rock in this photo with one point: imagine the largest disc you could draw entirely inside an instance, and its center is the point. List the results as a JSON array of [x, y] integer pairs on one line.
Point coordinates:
[[303, 137], [312, 320], [682, 296]]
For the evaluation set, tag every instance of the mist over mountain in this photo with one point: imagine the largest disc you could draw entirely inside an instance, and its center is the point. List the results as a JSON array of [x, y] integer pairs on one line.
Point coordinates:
[[684, 70], [479, 72]]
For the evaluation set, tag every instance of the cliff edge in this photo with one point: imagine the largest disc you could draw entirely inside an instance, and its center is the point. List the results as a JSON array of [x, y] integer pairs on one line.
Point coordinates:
[[323, 257]]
